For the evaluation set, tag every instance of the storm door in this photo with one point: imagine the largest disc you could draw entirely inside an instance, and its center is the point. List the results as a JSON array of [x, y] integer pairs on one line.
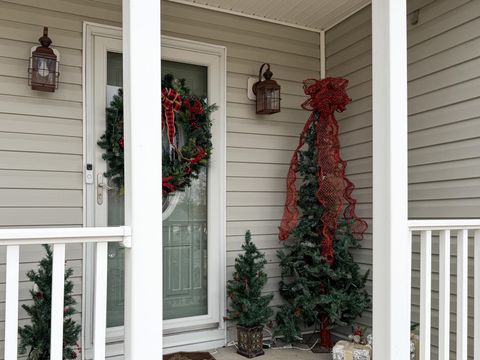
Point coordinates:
[[193, 220]]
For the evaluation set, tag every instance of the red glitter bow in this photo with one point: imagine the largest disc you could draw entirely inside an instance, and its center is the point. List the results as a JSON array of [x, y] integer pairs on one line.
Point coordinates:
[[171, 102], [334, 189]]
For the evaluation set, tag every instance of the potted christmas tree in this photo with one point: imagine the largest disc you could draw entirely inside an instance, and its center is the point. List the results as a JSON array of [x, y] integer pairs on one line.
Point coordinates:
[[247, 305], [35, 337]]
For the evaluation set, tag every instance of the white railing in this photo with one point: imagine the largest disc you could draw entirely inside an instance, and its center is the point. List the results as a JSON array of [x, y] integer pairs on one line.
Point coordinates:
[[463, 230], [12, 239]]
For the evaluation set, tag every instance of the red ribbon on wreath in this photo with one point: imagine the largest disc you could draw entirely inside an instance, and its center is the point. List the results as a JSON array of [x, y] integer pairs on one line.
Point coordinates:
[[196, 108], [201, 153], [167, 187], [334, 189], [171, 102]]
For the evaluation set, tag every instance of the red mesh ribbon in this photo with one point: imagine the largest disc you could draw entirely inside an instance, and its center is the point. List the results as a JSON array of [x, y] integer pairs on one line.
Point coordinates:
[[334, 189], [171, 102]]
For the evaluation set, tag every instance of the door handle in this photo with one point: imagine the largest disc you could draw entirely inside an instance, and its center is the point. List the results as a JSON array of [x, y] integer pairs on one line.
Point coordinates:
[[101, 187]]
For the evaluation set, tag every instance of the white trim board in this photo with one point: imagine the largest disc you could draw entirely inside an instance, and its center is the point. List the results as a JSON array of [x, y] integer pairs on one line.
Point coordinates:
[[90, 30], [323, 56]]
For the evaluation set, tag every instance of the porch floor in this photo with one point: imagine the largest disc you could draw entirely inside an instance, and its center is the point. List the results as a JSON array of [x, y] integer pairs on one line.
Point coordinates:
[[229, 353]]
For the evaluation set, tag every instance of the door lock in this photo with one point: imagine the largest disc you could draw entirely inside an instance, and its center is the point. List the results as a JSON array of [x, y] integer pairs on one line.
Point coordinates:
[[101, 187]]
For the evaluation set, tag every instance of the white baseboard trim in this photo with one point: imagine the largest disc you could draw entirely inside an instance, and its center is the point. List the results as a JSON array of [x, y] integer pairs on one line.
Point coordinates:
[[194, 341]]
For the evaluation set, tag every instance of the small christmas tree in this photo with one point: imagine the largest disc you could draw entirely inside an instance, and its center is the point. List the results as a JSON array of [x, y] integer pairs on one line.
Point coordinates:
[[35, 337], [248, 307]]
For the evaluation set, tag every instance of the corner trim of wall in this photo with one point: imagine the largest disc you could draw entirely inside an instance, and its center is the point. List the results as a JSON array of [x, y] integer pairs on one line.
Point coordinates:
[[350, 14], [322, 55]]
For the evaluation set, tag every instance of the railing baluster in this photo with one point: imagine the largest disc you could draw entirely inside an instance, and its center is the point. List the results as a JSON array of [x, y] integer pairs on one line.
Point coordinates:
[[476, 316], [462, 294], [444, 301], [11, 302], [58, 282], [425, 292], [100, 319]]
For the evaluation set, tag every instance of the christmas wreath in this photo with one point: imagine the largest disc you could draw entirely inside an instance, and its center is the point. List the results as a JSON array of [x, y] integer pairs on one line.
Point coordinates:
[[186, 128]]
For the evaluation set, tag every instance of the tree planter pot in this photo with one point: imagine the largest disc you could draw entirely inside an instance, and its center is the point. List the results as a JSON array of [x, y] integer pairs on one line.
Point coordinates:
[[250, 341]]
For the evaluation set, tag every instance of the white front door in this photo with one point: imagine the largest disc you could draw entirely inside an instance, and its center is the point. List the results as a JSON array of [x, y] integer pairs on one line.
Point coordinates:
[[193, 221]]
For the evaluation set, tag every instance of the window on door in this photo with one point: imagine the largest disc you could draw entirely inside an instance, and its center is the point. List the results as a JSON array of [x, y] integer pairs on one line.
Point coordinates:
[[185, 222], [115, 213], [185, 235]]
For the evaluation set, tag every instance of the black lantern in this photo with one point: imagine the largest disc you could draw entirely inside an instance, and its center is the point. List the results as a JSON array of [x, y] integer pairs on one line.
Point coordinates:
[[267, 92], [43, 71]]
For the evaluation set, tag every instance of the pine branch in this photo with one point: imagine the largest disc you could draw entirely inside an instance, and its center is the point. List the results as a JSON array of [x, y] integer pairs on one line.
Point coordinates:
[[35, 337]]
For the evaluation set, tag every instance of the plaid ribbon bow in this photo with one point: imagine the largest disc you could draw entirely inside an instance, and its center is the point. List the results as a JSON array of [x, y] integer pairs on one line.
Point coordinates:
[[171, 103]]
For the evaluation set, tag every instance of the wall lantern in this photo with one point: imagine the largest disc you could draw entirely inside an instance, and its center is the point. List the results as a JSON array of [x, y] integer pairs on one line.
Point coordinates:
[[267, 92], [43, 70]]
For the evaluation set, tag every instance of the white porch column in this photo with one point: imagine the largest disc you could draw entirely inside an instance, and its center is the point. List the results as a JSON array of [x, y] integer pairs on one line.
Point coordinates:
[[391, 244], [143, 179]]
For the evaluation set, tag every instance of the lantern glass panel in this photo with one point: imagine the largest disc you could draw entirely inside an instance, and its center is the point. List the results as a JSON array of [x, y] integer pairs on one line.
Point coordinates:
[[268, 100], [44, 70], [275, 100]]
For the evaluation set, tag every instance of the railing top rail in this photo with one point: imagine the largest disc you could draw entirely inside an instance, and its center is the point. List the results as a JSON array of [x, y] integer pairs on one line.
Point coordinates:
[[63, 235], [443, 224]]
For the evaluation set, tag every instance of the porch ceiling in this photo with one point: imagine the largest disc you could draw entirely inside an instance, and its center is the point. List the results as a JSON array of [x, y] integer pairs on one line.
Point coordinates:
[[315, 15]]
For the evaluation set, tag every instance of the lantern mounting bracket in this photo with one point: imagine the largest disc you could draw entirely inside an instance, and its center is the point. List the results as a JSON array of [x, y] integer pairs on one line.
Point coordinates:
[[267, 75]]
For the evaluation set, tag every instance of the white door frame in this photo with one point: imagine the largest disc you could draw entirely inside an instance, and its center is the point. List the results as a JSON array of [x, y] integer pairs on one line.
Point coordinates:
[[90, 32], [174, 49]]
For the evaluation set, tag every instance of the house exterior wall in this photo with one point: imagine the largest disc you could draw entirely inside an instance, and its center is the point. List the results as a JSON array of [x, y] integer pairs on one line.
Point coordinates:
[[41, 148], [259, 148], [41, 134], [444, 123]]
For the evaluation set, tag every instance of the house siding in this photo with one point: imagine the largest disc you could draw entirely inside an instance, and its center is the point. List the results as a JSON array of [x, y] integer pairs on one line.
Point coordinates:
[[41, 134], [259, 148], [444, 123]]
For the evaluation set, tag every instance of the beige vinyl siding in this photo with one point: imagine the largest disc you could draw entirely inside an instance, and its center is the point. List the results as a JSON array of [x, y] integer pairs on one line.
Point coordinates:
[[444, 122], [259, 148], [41, 145]]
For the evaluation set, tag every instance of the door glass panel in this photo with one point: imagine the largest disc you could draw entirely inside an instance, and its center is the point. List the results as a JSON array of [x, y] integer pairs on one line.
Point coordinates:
[[116, 214], [185, 226], [184, 223]]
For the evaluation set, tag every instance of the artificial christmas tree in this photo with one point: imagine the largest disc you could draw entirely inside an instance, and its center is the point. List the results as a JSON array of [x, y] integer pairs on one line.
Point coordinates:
[[249, 308], [35, 337], [321, 283]]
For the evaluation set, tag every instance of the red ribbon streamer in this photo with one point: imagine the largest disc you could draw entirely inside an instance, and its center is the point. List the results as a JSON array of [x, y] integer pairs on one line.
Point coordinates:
[[171, 102], [334, 189]]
